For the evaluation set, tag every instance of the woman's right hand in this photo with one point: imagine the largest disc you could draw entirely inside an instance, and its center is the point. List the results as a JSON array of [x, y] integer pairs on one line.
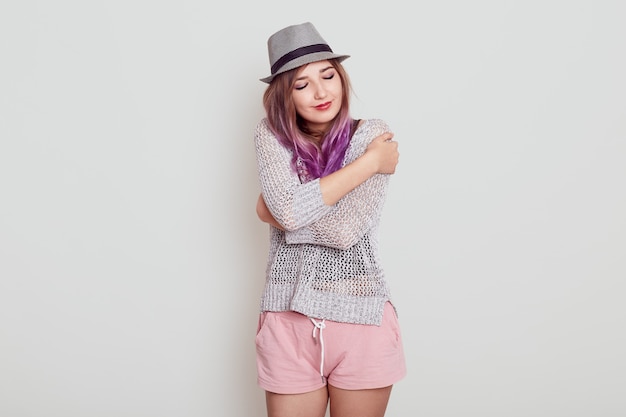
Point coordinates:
[[264, 213], [384, 152]]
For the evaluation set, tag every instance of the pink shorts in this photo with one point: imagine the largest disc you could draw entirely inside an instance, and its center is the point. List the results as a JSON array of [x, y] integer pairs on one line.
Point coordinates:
[[293, 353]]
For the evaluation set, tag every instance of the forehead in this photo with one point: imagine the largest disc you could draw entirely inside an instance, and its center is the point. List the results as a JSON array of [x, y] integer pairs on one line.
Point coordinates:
[[313, 67]]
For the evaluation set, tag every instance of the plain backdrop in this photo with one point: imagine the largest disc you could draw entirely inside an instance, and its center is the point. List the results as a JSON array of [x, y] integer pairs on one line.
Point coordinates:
[[131, 258]]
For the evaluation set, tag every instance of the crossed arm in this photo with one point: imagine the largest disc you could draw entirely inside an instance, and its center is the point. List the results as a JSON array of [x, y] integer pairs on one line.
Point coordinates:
[[320, 225]]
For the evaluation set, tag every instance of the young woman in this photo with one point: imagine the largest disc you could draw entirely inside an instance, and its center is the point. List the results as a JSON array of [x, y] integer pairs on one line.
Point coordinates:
[[328, 332]]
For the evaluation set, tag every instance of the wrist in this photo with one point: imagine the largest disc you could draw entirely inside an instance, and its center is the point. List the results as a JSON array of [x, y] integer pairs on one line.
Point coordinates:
[[369, 163]]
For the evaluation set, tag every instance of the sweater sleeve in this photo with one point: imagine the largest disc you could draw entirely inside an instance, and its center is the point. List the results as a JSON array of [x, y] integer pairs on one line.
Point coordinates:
[[358, 211], [293, 204]]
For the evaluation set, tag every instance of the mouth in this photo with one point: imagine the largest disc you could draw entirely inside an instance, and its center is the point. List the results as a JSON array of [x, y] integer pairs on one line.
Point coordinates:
[[324, 106]]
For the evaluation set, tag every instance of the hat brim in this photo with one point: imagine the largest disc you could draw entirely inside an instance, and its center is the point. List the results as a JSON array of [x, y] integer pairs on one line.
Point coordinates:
[[306, 59]]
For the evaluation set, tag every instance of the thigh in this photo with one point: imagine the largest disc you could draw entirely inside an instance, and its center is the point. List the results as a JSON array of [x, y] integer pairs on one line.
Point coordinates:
[[310, 404], [358, 403]]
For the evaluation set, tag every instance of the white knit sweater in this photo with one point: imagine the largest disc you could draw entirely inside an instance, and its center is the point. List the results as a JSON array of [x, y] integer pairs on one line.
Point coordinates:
[[325, 264]]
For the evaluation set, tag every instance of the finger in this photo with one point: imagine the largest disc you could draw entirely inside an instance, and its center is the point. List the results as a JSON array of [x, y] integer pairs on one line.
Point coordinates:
[[385, 137]]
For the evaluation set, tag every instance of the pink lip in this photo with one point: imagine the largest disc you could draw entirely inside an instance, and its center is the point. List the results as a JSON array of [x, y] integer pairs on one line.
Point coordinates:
[[324, 106]]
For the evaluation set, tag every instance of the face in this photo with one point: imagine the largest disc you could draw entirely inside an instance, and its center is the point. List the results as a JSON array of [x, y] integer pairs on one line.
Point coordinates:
[[317, 94]]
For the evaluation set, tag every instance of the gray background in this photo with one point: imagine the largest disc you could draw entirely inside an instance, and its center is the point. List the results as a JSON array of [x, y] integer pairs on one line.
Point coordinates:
[[131, 259]]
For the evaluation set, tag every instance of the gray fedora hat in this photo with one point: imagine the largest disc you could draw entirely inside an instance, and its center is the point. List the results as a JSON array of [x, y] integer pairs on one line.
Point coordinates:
[[297, 45]]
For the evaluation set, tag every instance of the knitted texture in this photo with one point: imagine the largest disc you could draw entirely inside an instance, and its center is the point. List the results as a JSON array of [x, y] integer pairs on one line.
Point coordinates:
[[325, 264]]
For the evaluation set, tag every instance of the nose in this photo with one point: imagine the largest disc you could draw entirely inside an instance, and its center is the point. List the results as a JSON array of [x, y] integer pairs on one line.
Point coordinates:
[[320, 92]]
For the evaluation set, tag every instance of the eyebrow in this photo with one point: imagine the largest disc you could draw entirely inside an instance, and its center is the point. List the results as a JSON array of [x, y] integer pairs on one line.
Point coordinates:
[[321, 71]]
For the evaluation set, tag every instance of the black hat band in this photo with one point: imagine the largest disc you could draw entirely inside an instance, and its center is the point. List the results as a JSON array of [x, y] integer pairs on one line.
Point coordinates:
[[297, 53]]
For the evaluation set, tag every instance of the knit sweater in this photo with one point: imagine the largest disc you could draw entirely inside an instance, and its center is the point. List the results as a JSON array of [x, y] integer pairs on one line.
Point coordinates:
[[325, 264]]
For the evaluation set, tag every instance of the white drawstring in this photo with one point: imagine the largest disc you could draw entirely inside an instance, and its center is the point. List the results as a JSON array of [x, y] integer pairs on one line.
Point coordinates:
[[319, 325]]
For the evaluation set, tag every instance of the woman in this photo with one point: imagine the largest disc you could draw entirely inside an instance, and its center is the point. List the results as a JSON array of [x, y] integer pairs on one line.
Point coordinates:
[[327, 331]]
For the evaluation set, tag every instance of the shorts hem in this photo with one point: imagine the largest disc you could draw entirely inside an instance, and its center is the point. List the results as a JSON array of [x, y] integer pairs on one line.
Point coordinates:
[[373, 385], [291, 389]]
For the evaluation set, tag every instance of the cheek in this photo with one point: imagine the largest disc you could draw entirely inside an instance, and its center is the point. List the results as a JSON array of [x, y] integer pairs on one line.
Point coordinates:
[[338, 90], [298, 102]]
